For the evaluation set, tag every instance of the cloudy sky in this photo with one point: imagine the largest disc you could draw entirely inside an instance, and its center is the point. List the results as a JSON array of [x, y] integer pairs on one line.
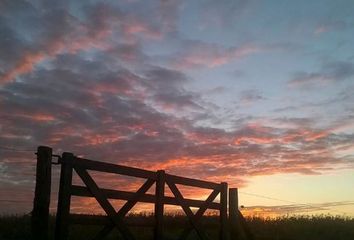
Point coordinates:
[[256, 93]]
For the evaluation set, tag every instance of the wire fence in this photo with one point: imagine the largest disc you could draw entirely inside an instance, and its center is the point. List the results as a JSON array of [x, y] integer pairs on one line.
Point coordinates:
[[313, 206]]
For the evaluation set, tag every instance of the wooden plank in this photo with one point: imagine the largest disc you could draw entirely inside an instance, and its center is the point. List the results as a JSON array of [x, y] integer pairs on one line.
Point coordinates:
[[159, 206], [114, 168], [191, 182], [126, 208], [187, 210], [63, 209], [147, 198], [104, 203], [233, 208], [223, 212], [197, 216], [40, 212]]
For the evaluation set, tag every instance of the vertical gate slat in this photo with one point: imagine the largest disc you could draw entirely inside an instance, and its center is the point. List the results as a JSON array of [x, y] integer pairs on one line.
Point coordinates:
[[223, 211], [233, 214], [159, 205], [64, 198]]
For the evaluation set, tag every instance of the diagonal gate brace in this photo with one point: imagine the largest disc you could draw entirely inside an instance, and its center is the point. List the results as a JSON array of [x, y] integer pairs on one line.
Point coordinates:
[[191, 217], [105, 204], [125, 208]]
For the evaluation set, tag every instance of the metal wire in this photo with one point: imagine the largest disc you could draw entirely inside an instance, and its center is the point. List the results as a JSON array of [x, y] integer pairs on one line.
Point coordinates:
[[16, 149], [297, 203]]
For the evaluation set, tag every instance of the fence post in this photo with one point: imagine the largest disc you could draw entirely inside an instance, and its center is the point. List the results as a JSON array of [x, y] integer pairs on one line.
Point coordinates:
[[233, 213], [40, 213], [64, 198], [223, 211], [159, 205]]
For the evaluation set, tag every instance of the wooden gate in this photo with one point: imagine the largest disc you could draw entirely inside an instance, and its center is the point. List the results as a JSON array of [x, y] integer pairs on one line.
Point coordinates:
[[115, 219]]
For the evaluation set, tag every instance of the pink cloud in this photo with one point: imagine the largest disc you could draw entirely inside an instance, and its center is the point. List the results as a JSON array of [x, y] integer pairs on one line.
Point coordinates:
[[211, 55], [25, 65], [84, 36], [137, 26], [52, 48]]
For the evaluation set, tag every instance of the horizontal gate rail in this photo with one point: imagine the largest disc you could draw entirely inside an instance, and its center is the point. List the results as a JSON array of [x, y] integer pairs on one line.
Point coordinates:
[[192, 182], [113, 168]]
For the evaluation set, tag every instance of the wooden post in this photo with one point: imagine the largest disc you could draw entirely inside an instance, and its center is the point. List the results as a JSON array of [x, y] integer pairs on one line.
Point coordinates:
[[233, 213], [159, 205], [40, 213], [223, 211], [63, 210]]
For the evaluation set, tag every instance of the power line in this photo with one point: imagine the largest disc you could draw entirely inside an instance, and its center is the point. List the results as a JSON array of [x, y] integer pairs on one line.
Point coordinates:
[[15, 201], [292, 202], [266, 197], [16, 149]]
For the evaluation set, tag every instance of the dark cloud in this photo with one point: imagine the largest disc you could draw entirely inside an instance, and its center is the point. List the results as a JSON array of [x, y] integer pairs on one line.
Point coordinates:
[[164, 78], [331, 26], [222, 13], [216, 90], [14, 45], [250, 96], [343, 98], [168, 14], [295, 121], [330, 72]]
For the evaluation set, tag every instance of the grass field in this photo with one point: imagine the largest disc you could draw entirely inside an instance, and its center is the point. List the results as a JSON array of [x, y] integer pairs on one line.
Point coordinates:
[[286, 228]]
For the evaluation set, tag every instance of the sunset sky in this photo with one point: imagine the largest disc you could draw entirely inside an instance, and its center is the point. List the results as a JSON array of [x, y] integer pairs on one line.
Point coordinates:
[[256, 93]]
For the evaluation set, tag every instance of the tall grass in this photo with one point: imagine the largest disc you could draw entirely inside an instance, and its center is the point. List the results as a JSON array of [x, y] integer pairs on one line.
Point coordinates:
[[303, 228], [284, 228]]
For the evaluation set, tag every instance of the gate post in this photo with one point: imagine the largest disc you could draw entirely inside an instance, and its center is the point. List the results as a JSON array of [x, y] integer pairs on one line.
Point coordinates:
[[233, 213], [159, 205], [223, 211], [40, 213], [64, 198]]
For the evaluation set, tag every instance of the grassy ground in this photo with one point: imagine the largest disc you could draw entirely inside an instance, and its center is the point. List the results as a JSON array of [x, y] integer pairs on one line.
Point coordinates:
[[290, 228]]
